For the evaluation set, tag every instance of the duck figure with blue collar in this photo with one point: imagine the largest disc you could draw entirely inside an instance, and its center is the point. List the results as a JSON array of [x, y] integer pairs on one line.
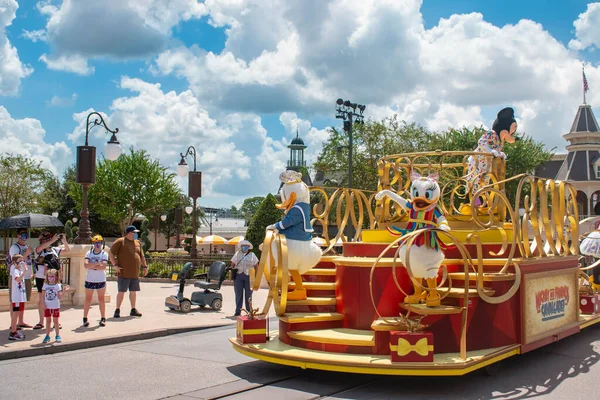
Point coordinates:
[[303, 254], [426, 255]]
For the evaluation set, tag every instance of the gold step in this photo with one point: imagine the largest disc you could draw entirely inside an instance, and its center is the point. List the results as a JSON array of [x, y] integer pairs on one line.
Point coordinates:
[[315, 285], [313, 301], [487, 276], [458, 292], [422, 309], [321, 271], [343, 336], [298, 318]]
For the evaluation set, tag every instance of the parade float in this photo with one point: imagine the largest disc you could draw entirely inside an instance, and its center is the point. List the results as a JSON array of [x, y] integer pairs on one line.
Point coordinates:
[[506, 272]]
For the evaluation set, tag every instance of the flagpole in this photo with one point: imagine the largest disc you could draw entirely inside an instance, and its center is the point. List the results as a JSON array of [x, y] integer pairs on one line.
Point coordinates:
[[583, 77]]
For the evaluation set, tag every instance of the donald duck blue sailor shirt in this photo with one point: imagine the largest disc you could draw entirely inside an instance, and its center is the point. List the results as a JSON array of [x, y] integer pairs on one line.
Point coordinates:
[[296, 223]]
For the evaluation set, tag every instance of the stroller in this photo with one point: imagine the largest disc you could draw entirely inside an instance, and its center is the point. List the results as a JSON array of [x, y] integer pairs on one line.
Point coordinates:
[[208, 295]]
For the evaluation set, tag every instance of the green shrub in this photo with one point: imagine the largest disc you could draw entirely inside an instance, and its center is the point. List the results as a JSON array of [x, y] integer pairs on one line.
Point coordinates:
[[267, 214]]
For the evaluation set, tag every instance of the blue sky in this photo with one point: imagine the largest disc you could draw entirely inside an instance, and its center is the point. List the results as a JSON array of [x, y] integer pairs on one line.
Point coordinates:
[[248, 80]]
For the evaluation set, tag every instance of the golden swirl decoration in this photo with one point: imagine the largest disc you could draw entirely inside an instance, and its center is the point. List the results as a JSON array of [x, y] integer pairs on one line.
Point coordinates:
[[275, 269]]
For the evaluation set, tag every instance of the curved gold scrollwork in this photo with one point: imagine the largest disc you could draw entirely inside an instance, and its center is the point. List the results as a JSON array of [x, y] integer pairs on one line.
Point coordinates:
[[274, 267]]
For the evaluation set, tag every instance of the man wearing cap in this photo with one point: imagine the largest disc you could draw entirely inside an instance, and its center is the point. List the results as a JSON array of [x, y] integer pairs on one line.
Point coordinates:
[[127, 257], [242, 261]]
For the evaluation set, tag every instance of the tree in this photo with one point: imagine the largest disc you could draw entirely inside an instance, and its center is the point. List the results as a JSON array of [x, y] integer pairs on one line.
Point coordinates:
[[371, 141], [267, 214], [22, 181], [144, 237], [131, 186], [249, 207]]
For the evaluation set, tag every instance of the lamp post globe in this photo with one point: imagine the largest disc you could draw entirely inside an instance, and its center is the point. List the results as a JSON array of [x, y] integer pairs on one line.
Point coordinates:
[[112, 151], [55, 214], [163, 217], [182, 170], [189, 209]]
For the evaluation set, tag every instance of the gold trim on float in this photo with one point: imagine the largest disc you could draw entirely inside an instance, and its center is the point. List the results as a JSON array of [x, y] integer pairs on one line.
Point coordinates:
[[328, 258], [298, 318], [321, 271], [587, 320], [314, 301], [388, 262], [487, 276], [369, 364], [341, 336], [314, 285], [422, 309]]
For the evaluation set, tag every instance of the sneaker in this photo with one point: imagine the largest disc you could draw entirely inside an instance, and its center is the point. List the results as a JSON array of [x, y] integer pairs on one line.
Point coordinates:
[[86, 323], [135, 313], [58, 339], [13, 336], [102, 321], [46, 339], [117, 313], [20, 335]]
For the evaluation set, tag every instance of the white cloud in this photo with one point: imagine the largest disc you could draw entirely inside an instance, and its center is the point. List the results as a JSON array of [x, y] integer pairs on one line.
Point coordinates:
[[68, 63], [12, 70], [235, 154], [35, 36], [290, 56], [27, 137], [587, 28], [113, 29], [57, 101]]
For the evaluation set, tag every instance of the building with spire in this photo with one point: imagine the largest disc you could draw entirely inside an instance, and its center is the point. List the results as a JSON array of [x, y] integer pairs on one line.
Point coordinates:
[[580, 166], [296, 161]]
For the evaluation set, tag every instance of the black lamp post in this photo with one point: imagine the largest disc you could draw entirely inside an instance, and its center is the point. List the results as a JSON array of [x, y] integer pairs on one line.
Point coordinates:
[[346, 110], [194, 191], [86, 172]]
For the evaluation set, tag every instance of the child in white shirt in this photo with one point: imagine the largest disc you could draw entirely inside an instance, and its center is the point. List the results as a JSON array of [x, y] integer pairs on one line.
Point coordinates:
[[18, 295], [52, 293]]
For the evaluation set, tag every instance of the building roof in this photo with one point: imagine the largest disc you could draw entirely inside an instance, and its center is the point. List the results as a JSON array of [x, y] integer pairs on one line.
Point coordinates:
[[549, 170], [297, 141], [585, 121]]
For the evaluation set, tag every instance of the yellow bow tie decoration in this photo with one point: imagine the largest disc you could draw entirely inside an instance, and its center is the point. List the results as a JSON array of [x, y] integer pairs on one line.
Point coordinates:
[[404, 347]]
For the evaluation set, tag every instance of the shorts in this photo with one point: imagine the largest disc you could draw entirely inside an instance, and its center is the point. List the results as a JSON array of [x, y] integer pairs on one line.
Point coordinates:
[[39, 284], [95, 285], [18, 306], [133, 284], [52, 312]]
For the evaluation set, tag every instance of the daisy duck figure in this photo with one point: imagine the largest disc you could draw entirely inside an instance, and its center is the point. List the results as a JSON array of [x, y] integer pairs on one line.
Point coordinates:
[[503, 130], [303, 253], [427, 255]]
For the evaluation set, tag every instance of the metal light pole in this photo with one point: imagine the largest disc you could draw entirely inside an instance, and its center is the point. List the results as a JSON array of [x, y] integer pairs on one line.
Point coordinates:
[[86, 172], [194, 191], [346, 110]]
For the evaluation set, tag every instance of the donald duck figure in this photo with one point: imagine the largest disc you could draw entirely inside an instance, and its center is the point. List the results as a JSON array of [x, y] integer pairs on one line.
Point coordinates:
[[303, 254]]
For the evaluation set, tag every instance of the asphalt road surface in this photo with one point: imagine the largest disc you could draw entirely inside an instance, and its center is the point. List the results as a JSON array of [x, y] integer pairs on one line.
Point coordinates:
[[202, 365]]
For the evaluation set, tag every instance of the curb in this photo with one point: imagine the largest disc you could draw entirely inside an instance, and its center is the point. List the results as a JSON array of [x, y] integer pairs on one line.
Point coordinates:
[[132, 337]]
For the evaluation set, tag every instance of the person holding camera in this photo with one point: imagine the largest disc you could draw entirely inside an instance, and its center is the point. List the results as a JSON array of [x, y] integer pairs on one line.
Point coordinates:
[[47, 257], [241, 263]]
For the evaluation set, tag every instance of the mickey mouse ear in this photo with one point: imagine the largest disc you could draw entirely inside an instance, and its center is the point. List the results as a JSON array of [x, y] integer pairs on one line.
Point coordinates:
[[506, 113]]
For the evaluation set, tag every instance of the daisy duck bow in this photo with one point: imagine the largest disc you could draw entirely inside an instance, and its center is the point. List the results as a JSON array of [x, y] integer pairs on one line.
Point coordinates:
[[303, 254], [426, 256]]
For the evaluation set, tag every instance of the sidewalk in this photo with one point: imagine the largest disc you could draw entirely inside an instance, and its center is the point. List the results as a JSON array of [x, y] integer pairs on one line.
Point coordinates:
[[156, 321]]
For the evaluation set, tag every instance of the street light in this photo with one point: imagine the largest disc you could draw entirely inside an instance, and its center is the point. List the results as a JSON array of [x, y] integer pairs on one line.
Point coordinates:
[[55, 214], [86, 171], [163, 217], [189, 209], [194, 191], [346, 110]]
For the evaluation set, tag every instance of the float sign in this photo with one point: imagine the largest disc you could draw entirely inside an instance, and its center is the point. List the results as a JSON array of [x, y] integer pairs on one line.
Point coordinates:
[[550, 303]]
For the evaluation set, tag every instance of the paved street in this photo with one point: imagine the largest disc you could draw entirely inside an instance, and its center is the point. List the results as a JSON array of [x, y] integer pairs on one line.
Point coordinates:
[[202, 365]]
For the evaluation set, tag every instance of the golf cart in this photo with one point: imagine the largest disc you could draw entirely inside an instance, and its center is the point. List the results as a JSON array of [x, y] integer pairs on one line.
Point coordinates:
[[208, 295]]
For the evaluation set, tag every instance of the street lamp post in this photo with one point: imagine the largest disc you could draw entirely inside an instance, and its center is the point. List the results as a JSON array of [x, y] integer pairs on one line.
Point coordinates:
[[194, 191], [346, 110], [86, 172]]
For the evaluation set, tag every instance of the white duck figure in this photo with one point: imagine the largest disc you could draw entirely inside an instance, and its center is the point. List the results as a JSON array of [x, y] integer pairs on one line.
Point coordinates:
[[426, 255], [303, 254]]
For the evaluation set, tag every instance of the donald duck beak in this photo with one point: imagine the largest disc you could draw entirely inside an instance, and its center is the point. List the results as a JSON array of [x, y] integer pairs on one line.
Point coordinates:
[[287, 204]]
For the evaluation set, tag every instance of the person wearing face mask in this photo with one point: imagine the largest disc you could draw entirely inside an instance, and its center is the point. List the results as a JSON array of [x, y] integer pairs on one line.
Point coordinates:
[[242, 261], [127, 257], [95, 262], [22, 248]]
